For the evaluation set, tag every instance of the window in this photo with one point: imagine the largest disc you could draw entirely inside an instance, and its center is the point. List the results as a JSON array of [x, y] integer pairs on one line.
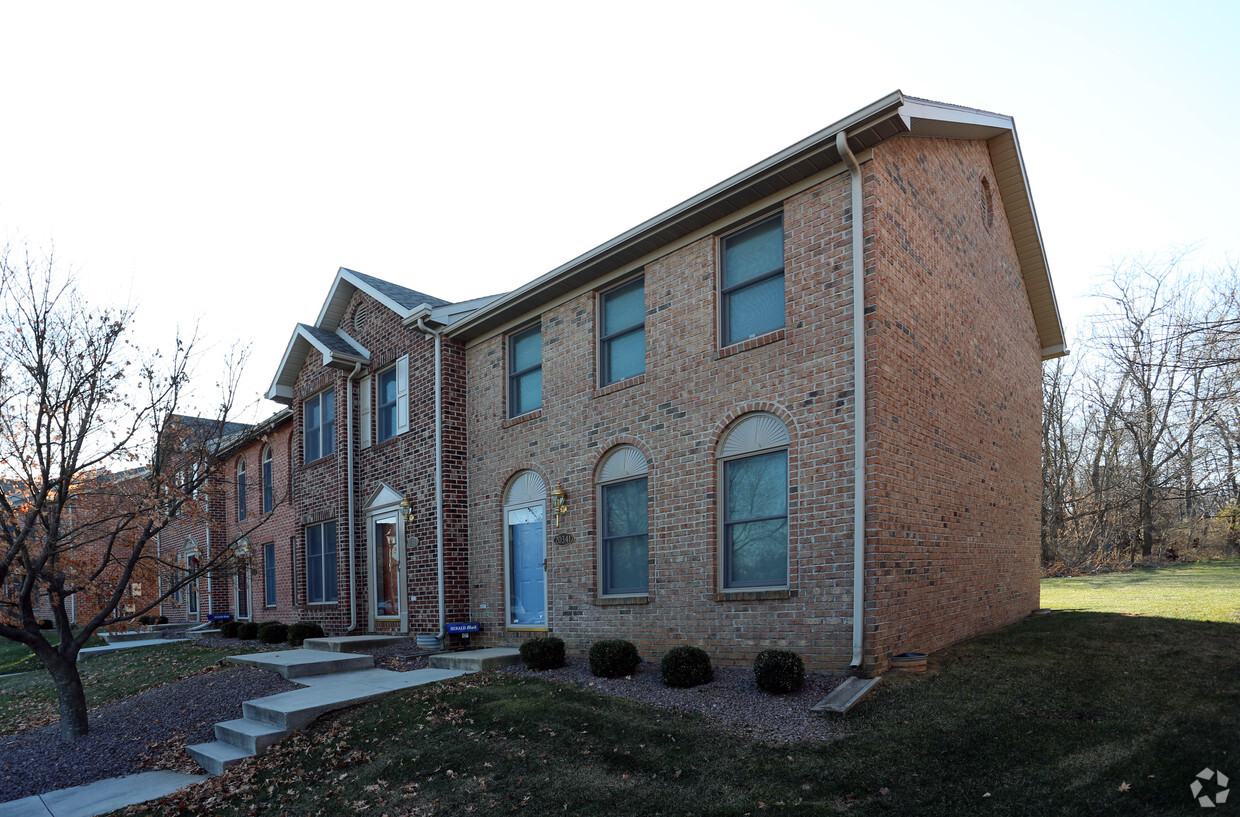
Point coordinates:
[[622, 324], [269, 574], [525, 371], [320, 423], [321, 563], [752, 291], [623, 548], [268, 479], [241, 509], [243, 592], [754, 472]]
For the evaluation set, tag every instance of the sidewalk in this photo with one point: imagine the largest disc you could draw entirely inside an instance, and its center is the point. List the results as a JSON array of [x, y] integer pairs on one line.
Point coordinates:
[[101, 796]]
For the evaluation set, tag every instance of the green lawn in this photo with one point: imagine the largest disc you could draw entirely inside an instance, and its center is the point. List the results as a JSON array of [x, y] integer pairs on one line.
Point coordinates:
[[1068, 714], [29, 699], [15, 657], [1200, 591]]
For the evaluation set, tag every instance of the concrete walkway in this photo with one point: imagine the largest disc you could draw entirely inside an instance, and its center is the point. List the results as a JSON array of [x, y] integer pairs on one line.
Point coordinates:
[[100, 797]]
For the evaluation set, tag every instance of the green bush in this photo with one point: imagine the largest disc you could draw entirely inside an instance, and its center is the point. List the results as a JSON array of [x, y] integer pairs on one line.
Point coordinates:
[[273, 632], [161, 620], [613, 658], [779, 671], [543, 653], [147, 620], [248, 631], [299, 632], [228, 629], [686, 666]]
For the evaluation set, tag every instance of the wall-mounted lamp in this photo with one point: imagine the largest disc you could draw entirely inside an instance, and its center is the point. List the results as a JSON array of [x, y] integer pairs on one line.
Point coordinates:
[[406, 510], [559, 502], [242, 550]]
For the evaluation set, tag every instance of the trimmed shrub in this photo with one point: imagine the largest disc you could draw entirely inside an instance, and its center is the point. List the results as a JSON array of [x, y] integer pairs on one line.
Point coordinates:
[[161, 620], [613, 658], [248, 631], [779, 671], [686, 666], [543, 653], [299, 632], [228, 629], [46, 624], [147, 620], [273, 632]]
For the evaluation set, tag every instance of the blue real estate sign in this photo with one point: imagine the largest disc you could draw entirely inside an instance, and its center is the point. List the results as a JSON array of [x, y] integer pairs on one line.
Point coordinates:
[[463, 627]]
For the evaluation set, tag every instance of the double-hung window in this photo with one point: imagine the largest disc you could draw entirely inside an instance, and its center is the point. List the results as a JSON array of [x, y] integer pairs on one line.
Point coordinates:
[[525, 371], [319, 425], [321, 563], [752, 281], [622, 342], [269, 574], [754, 473], [241, 509], [624, 544], [268, 477]]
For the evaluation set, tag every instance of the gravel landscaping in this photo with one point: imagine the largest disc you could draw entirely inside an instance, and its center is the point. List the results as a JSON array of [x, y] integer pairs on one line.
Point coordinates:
[[150, 730]]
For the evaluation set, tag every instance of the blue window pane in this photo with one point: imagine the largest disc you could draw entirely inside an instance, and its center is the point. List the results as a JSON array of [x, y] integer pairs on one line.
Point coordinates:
[[758, 553], [313, 421], [387, 405], [624, 356], [624, 307], [329, 422], [241, 509], [755, 309], [757, 487], [756, 520], [527, 392], [269, 575], [753, 253], [625, 541], [268, 486], [527, 349]]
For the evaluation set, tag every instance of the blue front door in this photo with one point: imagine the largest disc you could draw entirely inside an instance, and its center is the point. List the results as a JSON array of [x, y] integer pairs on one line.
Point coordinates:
[[527, 578]]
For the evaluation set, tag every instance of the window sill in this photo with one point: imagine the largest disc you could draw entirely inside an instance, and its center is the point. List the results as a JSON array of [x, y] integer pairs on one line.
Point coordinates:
[[619, 385], [512, 629], [752, 343], [620, 601], [753, 595], [522, 418], [323, 458], [321, 603]]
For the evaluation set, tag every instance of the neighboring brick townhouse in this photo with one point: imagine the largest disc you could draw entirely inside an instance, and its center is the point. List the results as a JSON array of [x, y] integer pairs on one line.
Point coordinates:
[[660, 440]]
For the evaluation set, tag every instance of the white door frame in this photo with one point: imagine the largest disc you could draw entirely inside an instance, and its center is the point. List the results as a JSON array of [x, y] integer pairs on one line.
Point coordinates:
[[383, 507]]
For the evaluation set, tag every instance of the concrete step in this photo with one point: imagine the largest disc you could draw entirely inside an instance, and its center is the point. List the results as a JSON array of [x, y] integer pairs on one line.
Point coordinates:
[[217, 756], [353, 643], [845, 696], [191, 634], [475, 660], [254, 737], [302, 663]]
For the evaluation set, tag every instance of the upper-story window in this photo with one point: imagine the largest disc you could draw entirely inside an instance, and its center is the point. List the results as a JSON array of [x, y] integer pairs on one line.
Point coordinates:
[[268, 481], [752, 281], [525, 371], [241, 509], [385, 404], [622, 339], [320, 423], [391, 397]]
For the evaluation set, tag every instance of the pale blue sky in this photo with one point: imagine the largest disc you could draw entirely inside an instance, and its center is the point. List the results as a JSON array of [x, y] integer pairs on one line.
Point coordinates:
[[220, 161]]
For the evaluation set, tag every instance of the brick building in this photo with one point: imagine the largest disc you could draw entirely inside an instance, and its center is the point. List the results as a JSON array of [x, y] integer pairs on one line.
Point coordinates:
[[660, 440]]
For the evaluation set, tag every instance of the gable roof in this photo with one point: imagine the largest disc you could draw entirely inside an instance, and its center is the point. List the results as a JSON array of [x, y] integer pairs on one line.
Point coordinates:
[[891, 116], [401, 300], [339, 351]]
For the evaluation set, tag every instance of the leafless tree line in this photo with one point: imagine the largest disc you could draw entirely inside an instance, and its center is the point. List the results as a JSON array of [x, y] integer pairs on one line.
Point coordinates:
[[1141, 424]]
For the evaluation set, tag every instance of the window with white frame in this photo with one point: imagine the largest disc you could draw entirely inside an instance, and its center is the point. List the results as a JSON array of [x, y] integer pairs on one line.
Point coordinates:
[[241, 498], [268, 478], [753, 457], [525, 371], [622, 332], [269, 574], [623, 541], [752, 281], [321, 563], [319, 415]]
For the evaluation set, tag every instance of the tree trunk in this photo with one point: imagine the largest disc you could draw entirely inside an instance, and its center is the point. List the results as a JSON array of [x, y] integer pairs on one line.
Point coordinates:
[[69, 691]]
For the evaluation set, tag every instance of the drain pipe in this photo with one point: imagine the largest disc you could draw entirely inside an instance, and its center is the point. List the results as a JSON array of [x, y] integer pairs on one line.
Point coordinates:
[[438, 333], [357, 368], [857, 225]]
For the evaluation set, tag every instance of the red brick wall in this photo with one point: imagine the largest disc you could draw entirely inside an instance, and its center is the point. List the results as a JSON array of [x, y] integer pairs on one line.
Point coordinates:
[[955, 405]]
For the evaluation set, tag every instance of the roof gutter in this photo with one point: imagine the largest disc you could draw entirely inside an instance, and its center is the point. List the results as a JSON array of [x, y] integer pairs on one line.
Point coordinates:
[[857, 227]]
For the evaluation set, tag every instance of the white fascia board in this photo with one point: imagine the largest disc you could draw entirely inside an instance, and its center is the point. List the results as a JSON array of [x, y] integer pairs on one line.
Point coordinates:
[[281, 389]]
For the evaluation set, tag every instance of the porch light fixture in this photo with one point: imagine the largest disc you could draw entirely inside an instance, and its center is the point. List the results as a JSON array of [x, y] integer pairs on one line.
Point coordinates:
[[559, 502], [242, 550], [406, 510]]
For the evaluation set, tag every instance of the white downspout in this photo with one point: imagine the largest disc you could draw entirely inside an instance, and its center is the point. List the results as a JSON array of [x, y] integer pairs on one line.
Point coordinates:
[[357, 367], [857, 226], [438, 465]]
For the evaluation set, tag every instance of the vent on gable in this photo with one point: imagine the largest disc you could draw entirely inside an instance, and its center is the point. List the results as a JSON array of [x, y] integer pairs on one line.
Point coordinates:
[[359, 317], [987, 204]]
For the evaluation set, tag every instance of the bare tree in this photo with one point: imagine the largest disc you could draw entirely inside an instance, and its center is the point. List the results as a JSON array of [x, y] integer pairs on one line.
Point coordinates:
[[95, 462]]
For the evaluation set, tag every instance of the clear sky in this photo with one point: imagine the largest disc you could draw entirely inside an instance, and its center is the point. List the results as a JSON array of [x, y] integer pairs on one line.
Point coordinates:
[[216, 163]]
